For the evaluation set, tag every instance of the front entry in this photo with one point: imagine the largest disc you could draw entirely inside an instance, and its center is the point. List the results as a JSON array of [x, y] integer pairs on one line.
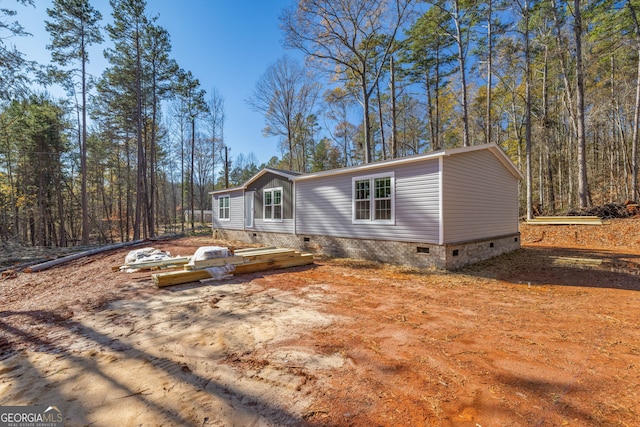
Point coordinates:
[[249, 197]]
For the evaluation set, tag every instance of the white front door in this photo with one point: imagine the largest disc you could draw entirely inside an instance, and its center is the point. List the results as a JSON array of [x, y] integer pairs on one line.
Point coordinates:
[[248, 208]]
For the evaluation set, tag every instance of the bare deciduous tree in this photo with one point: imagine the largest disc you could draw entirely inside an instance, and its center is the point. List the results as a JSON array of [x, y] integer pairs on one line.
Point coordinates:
[[354, 37], [286, 94]]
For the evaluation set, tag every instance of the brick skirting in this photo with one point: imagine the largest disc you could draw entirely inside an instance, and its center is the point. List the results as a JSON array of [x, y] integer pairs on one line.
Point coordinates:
[[413, 254]]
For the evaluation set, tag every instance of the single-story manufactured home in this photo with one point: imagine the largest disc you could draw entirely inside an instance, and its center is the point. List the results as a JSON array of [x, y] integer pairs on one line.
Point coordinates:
[[443, 209]]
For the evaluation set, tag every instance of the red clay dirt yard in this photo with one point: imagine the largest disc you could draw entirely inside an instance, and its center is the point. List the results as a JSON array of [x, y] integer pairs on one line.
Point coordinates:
[[547, 336]]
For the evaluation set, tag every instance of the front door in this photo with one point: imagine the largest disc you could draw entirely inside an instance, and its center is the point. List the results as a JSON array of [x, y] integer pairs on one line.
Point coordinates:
[[249, 196]]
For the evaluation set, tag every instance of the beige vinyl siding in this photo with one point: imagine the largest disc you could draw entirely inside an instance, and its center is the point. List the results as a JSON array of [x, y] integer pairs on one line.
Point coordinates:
[[236, 211], [324, 205], [480, 197]]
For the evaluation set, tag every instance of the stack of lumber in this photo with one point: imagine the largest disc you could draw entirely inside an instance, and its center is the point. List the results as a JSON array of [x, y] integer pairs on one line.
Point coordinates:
[[160, 264], [244, 260], [566, 220]]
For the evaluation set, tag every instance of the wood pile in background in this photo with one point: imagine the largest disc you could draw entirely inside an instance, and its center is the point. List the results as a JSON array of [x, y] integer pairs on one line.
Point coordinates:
[[627, 209]]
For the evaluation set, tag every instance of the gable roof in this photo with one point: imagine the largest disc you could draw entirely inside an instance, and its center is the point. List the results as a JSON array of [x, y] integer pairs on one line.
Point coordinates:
[[297, 176], [493, 148], [285, 174]]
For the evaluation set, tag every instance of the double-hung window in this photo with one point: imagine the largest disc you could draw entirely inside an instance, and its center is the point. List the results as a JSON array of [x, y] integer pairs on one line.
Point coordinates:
[[223, 208], [373, 198], [273, 204]]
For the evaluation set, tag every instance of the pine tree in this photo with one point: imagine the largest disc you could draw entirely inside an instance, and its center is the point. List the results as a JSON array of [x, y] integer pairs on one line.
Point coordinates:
[[188, 88], [127, 32], [14, 67], [73, 28], [160, 72]]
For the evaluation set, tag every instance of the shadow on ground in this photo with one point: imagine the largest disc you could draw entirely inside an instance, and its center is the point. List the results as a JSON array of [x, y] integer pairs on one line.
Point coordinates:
[[564, 267]]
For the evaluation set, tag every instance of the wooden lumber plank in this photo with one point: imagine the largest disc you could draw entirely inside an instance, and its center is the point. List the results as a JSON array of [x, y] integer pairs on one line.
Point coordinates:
[[216, 262], [179, 277], [571, 260], [271, 256], [568, 217], [247, 250], [566, 220], [267, 252], [575, 219], [252, 267]]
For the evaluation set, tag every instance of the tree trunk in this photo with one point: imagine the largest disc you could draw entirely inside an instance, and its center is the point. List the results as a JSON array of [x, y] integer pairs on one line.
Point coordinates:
[[546, 137], [394, 125], [62, 238], [368, 152], [151, 221], [140, 196], [463, 77], [431, 116], [635, 191], [191, 174], [290, 141], [583, 184], [527, 136], [381, 119], [182, 177], [83, 151], [436, 89], [489, 71]]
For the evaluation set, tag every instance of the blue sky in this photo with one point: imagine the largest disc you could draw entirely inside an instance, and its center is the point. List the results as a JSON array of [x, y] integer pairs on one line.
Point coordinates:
[[226, 44]]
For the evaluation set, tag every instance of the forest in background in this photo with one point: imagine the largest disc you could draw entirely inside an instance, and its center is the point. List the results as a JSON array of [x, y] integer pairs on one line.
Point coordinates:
[[556, 84]]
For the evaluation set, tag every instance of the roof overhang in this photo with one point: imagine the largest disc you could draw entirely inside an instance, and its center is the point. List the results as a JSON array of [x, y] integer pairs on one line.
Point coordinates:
[[284, 174], [226, 190], [493, 148]]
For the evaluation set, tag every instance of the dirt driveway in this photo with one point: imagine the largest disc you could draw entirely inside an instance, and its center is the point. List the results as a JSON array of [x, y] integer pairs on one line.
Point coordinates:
[[545, 336]]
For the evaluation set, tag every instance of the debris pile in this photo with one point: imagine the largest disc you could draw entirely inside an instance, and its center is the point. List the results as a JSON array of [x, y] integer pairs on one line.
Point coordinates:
[[627, 209]]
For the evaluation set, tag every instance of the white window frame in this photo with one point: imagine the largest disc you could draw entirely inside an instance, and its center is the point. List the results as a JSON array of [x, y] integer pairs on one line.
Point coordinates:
[[227, 208], [372, 199], [264, 205]]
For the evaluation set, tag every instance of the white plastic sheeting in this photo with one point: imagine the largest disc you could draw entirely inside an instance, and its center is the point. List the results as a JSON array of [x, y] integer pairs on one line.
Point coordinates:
[[146, 255], [219, 273], [210, 252]]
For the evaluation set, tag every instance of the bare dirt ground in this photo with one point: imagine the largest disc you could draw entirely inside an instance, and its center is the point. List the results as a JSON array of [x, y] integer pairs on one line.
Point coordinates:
[[546, 336]]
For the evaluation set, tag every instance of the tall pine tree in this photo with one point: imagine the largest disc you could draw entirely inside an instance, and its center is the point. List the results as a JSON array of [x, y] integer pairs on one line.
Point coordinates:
[[127, 33], [74, 27]]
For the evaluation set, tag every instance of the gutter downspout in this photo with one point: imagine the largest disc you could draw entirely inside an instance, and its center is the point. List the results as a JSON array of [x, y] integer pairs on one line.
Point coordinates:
[[294, 213]]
